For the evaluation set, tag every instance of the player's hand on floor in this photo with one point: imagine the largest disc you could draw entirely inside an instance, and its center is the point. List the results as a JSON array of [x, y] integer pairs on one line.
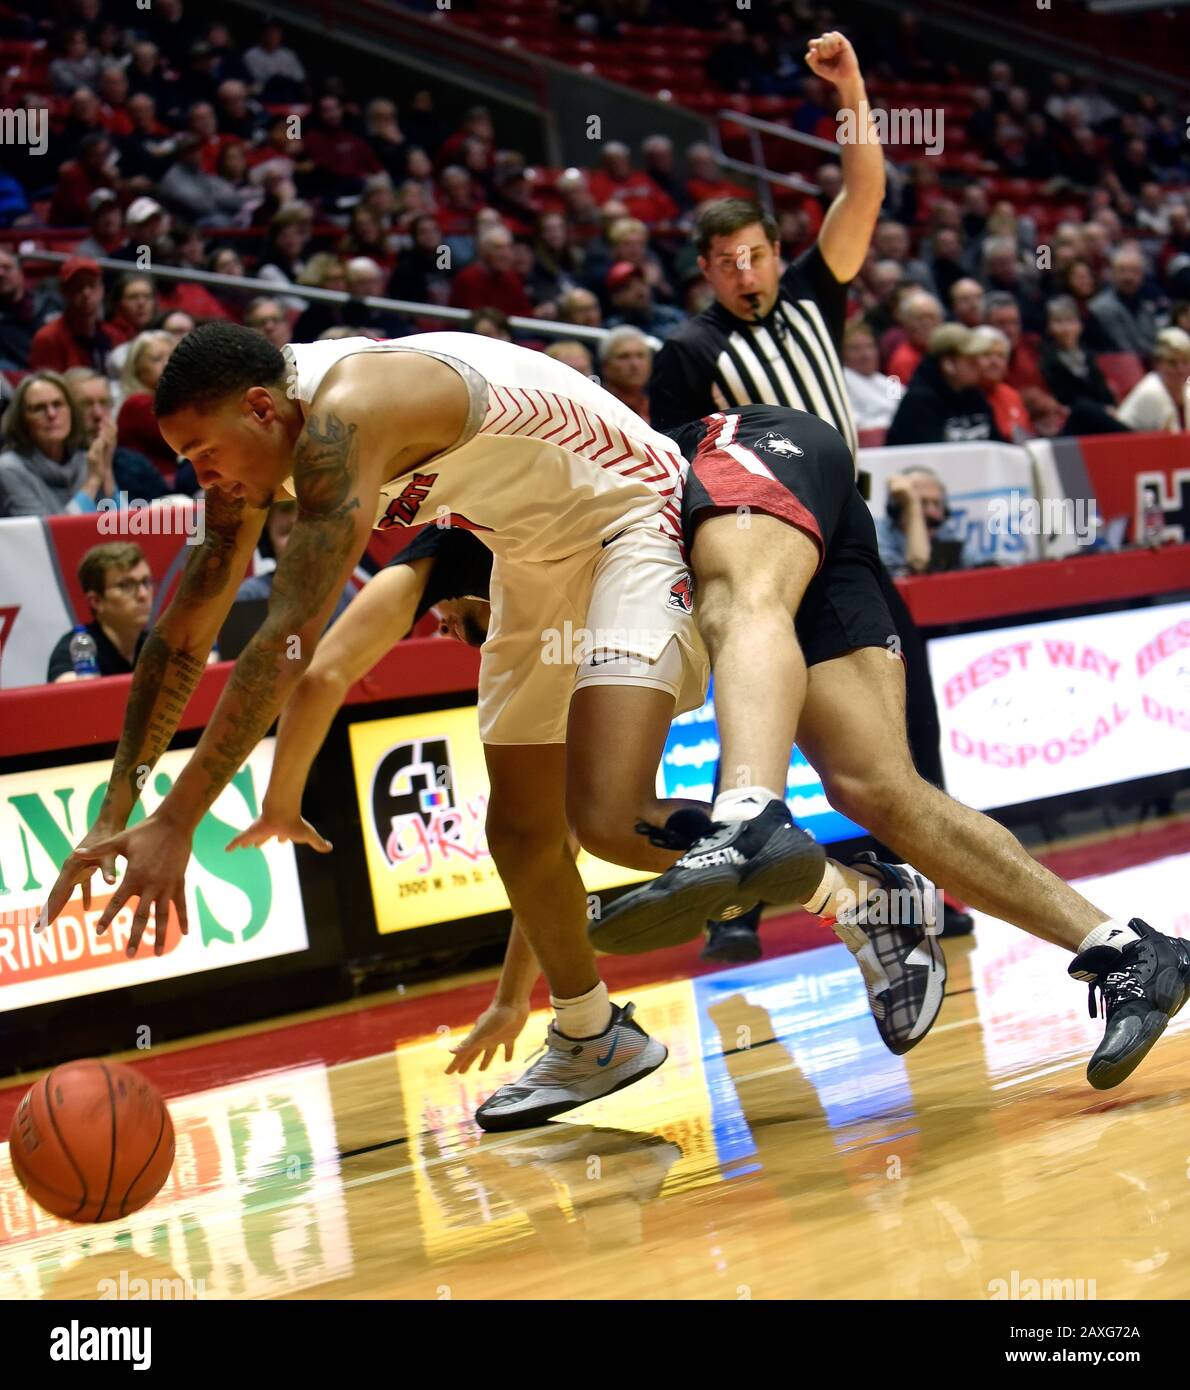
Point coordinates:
[[283, 826], [498, 1026]]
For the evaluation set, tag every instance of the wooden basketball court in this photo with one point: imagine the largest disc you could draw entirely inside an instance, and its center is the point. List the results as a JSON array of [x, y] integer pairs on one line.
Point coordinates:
[[780, 1152]]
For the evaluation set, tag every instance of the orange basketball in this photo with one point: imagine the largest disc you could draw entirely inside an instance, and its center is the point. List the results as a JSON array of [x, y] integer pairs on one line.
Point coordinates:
[[92, 1141]]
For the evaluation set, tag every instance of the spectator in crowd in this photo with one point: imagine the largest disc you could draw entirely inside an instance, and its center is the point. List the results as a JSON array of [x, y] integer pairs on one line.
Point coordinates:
[[148, 226], [323, 271], [45, 470], [873, 395], [423, 272], [177, 323], [558, 261], [188, 188], [573, 353], [967, 302], [238, 115], [705, 179], [21, 315], [1002, 276], [285, 256], [640, 194], [269, 319], [944, 404], [367, 236], [75, 338], [147, 150], [279, 526], [146, 73], [625, 362], [1024, 362], [277, 72], [136, 423], [133, 474], [490, 281], [1070, 371], [132, 308], [891, 242], [1123, 314], [91, 169], [1160, 400], [490, 323], [579, 306], [632, 303], [77, 66], [880, 286], [657, 155], [106, 220], [118, 585], [992, 349], [919, 314], [366, 280], [343, 160], [386, 137], [916, 517]]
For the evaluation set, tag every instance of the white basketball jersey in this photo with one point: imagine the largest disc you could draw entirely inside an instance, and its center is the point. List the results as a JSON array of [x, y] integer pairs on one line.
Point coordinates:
[[549, 463]]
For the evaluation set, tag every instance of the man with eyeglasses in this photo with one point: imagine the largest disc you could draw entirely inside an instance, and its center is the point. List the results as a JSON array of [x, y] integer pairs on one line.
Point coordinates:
[[267, 318], [119, 587]]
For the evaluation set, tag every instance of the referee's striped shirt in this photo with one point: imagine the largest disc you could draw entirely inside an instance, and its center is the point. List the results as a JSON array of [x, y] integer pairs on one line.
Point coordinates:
[[789, 358]]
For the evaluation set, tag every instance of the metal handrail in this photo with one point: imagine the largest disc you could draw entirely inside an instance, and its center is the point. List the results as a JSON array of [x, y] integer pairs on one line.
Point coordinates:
[[756, 127], [270, 288]]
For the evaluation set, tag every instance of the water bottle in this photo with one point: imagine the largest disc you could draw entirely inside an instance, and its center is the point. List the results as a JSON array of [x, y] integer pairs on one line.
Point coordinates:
[[84, 656], [1152, 520]]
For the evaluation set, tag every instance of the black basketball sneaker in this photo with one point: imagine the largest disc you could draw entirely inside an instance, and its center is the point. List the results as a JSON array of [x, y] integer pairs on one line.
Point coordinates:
[[1142, 986], [893, 936], [736, 942], [727, 870]]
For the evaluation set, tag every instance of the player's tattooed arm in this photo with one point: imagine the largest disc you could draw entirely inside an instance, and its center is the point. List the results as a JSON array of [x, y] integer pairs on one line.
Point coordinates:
[[175, 652], [336, 496]]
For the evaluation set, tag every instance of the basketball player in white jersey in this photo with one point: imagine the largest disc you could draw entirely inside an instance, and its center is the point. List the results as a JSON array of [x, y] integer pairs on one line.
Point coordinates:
[[577, 498]]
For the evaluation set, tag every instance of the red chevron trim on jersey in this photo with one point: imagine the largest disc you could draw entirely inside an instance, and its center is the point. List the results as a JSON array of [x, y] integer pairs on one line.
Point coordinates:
[[567, 424]]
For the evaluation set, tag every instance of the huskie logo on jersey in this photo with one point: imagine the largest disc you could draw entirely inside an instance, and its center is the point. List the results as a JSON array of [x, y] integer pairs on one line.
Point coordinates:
[[681, 595], [403, 510], [777, 444]]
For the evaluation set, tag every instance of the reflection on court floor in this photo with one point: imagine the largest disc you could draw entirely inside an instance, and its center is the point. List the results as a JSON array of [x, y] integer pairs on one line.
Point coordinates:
[[781, 1152]]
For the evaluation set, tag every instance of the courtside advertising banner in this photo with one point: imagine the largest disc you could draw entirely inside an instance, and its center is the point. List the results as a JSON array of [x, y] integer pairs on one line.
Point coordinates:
[[242, 905], [981, 479], [1049, 708], [423, 799]]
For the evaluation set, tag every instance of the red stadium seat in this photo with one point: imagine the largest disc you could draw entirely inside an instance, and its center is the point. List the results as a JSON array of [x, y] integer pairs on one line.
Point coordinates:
[[1122, 370]]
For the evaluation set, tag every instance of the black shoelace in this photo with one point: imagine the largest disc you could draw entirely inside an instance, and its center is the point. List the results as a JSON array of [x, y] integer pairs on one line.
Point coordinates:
[[1115, 988]]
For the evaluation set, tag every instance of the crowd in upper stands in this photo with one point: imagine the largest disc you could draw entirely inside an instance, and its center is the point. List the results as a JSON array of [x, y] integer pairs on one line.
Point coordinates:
[[176, 141]]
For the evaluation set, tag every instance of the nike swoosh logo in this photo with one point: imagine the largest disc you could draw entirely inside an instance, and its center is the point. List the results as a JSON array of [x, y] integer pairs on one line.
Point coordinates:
[[603, 1061]]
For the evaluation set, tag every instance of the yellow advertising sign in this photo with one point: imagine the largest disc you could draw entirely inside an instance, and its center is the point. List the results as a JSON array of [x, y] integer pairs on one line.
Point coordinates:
[[422, 785]]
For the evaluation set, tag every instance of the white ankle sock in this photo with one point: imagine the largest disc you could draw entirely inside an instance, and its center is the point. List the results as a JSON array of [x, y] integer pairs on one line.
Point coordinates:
[[741, 803], [584, 1017], [832, 895], [1109, 933]]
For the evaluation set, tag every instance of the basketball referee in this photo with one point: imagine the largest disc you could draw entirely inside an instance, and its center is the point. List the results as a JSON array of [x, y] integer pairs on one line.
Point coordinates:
[[772, 337]]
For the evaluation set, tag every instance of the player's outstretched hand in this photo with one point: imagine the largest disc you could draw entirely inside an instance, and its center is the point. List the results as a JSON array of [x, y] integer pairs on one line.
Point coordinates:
[[498, 1026], [156, 853], [281, 826], [832, 58]]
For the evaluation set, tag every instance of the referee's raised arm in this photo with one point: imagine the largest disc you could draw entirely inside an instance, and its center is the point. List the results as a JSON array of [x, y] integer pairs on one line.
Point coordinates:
[[851, 219]]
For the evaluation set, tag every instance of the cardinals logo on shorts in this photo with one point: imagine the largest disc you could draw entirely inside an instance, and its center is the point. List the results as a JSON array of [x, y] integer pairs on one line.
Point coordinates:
[[681, 595], [777, 444]]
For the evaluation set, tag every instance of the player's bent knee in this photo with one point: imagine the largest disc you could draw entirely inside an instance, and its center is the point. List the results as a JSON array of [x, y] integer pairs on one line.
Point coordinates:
[[514, 842], [878, 801]]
